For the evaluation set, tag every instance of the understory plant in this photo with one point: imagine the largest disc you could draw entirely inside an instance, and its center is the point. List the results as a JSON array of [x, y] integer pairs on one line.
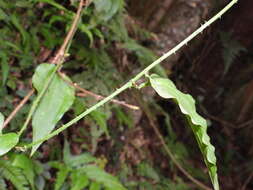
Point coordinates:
[[56, 95]]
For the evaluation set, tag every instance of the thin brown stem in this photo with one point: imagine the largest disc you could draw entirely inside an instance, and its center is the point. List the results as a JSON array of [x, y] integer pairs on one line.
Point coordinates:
[[247, 123], [224, 122], [228, 124], [59, 57], [18, 107], [174, 160], [96, 96], [247, 181], [58, 60]]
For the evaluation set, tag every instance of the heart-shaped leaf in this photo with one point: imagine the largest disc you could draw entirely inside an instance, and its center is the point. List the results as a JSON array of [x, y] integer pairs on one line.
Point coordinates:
[[56, 101], [7, 142], [167, 89]]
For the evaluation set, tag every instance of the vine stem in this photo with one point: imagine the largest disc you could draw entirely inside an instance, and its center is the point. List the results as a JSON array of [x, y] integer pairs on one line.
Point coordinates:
[[131, 83], [58, 60]]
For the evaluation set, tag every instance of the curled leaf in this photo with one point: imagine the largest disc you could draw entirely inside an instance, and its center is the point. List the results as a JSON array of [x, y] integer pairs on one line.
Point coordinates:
[[167, 89]]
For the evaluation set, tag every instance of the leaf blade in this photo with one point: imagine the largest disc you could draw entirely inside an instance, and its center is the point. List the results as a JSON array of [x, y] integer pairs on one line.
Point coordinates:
[[7, 142], [56, 101], [102, 177], [167, 89]]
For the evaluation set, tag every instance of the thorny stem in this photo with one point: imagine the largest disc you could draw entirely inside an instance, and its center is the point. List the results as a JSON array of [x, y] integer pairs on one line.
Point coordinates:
[[130, 83], [58, 59]]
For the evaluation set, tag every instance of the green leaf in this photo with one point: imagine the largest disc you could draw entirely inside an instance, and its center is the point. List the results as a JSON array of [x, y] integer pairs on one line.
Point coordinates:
[[62, 175], [100, 119], [145, 56], [16, 22], [100, 176], [54, 4], [26, 164], [95, 186], [3, 15], [56, 101], [14, 175], [144, 169], [107, 9], [166, 89], [86, 31], [231, 49], [7, 142], [78, 180], [4, 67], [76, 161], [1, 122]]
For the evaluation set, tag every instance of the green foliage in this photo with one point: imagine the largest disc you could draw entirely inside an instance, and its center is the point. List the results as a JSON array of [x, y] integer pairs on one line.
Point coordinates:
[[54, 104], [1, 122], [95, 186], [26, 164], [79, 180], [231, 49], [81, 172], [7, 142], [61, 175], [98, 175], [144, 55], [105, 10], [23, 172], [167, 89], [15, 175], [123, 118], [100, 119], [144, 169], [76, 172], [5, 67], [76, 161]]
